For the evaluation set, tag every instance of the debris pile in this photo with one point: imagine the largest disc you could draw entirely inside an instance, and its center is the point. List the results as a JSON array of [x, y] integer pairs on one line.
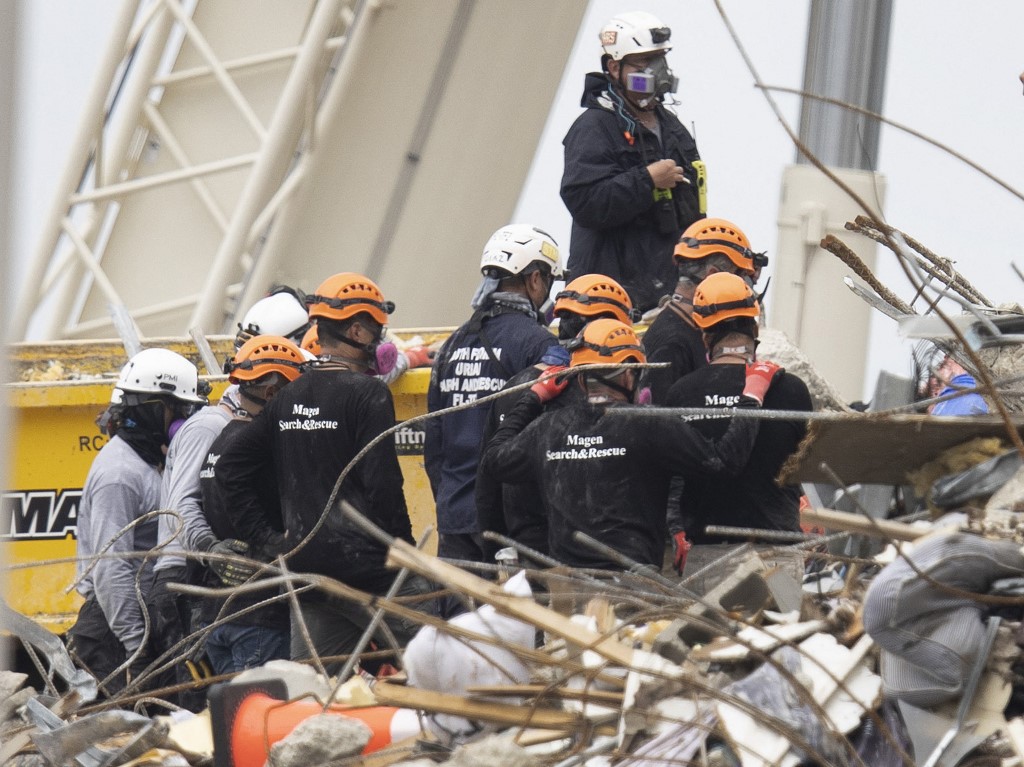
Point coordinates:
[[566, 667], [787, 654]]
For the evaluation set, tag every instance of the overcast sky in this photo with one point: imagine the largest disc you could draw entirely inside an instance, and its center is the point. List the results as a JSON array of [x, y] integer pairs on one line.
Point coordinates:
[[952, 74]]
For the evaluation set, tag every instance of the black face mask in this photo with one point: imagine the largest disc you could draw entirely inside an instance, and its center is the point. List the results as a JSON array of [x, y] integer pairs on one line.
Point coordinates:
[[570, 325], [143, 427]]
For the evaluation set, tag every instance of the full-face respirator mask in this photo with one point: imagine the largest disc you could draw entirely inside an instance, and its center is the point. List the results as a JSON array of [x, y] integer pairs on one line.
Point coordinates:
[[656, 80]]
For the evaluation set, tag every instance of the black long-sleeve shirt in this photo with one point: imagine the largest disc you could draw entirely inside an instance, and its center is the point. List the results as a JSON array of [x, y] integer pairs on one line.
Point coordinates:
[[307, 435], [607, 473]]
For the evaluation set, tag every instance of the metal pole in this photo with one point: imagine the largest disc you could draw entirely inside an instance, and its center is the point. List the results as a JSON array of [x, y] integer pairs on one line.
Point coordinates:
[[847, 47], [272, 251], [81, 148], [274, 159]]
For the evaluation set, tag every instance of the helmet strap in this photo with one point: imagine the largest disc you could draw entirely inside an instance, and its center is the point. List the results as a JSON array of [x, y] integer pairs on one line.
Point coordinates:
[[606, 380]]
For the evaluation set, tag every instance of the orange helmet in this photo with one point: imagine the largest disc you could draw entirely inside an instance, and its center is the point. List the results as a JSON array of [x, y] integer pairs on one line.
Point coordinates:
[[346, 295], [605, 341], [594, 294], [722, 296], [262, 355], [311, 341], [709, 236]]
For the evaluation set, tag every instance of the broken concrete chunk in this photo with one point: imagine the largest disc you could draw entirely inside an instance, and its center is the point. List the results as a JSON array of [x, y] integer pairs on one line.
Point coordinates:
[[10, 704], [10, 683], [785, 590], [300, 680], [493, 751], [320, 739]]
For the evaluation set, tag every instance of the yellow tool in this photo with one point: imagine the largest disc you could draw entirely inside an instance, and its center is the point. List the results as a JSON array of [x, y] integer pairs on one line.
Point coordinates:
[[702, 184]]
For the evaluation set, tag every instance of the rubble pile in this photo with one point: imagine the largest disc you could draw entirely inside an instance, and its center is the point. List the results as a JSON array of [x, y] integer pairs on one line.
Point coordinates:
[[565, 667], [802, 653]]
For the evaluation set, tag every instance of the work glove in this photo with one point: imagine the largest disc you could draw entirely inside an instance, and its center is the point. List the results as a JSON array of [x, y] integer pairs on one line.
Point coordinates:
[[550, 384], [231, 572], [760, 376], [419, 356], [683, 547]]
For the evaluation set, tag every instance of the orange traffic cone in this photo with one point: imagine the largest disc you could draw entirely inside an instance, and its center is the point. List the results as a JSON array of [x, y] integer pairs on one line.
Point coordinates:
[[249, 718]]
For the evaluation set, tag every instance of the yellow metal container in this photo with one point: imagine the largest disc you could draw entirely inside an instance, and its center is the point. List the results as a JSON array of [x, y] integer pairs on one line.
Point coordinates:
[[61, 388]]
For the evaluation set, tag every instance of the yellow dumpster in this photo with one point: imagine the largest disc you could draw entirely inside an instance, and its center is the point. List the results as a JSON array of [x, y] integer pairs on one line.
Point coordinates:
[[59, 391]]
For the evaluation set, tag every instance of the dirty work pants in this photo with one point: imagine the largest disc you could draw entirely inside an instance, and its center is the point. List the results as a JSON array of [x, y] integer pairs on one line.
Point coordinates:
[[468, 547], [235, 647], [95, 647], [336, 625]]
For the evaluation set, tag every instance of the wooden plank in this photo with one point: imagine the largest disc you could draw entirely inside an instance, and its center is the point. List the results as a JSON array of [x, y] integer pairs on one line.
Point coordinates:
[[603, 697], [498, 713], [831, 519], [874, 449]]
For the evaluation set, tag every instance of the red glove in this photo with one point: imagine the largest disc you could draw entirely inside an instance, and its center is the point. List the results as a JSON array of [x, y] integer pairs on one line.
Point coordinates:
[[759, 379], [550, 384], [682, 549], [419, 356]]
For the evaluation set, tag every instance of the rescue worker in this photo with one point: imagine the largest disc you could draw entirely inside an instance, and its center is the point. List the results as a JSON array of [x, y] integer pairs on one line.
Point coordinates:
[[517, 511], [726, 310], [505, 335], [306, 436], [183, 533], [280, 313], [260, 369], [154, 389], [602, 469], [709, 246], [633, 179], [950, 377]]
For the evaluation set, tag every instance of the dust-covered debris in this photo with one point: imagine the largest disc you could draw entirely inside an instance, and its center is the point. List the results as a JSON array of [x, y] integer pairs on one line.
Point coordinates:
[[319, 739]]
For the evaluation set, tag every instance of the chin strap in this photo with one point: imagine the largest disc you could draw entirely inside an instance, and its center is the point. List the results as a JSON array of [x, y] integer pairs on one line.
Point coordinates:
[[629, 394]]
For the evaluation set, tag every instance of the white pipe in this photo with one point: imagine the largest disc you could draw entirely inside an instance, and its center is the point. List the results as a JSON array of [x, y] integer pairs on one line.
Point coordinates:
[[114, 139], [269, 258], [169, 140], [88, 258], [241, 63], [233, 93], [269, 171], [68, 183], [124, 120], [163, 179]]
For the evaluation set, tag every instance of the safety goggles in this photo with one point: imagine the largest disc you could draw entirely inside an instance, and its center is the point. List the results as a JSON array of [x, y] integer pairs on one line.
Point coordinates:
[[230, 366], [757, 259], [604, 351], [660, 35], [709, 310], [587, 300], [388, 307]]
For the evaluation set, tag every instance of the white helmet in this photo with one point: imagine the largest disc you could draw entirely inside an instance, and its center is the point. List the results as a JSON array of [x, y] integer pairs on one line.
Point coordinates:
[[280, 314], [513, 248], [634, 32], [160, 371]]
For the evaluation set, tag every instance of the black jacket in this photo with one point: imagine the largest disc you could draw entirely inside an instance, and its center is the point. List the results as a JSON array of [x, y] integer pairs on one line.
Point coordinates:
[[753, 499], [607, 473], [219, 516], [477, 360], [673, 337], [307, 435], [616, 227], [519, 510]]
